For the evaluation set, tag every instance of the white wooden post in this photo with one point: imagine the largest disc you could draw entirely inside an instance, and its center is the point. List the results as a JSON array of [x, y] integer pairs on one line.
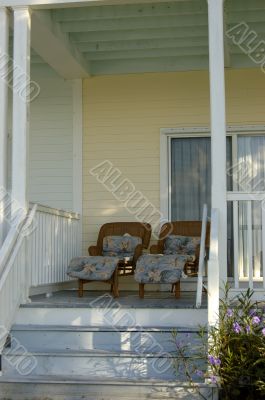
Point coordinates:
[[78, 153], [21, 78], [4, 24], [218, 135]]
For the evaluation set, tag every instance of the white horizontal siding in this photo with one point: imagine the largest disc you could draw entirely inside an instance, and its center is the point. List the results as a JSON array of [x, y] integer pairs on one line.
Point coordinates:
[[122, 120], [50, 141]]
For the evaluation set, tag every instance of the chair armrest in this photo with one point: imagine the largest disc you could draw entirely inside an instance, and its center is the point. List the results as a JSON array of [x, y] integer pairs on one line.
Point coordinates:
[[94, 251], [137, 253], [156, 249]]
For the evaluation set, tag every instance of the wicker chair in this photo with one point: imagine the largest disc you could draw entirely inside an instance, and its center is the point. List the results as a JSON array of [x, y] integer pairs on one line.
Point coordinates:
[[142, 230], [181, 228]]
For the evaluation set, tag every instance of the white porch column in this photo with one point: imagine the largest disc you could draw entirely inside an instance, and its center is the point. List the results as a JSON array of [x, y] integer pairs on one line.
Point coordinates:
[[21, 83], [4, 27], [218, 142]]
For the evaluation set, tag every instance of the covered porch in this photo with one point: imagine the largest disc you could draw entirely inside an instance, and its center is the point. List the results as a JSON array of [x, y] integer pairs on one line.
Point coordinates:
[[124, 84]]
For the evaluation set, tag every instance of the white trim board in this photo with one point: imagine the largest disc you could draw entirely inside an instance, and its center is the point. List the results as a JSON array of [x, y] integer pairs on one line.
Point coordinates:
[[75, 3], [193, 130], [77, 144], [78, 153]]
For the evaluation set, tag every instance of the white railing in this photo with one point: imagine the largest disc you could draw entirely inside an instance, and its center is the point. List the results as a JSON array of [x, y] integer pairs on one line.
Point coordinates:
[[36, 252], [13, 278], [213, 269], [54, 242], [248, 240], [201, 267]]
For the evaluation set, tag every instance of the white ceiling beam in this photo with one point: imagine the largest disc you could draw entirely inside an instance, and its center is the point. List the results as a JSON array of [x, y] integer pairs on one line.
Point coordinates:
[[166, 64], [258, 27], [147, 53], [130, 10], [241, 5], [227, 58], [76, 3], [124, 45], [142, 34], [135, 23], [54, 47], [247, 16]]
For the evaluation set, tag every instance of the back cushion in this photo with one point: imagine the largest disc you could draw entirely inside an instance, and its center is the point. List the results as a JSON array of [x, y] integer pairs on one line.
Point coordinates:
[[175, 244], [123, 246]]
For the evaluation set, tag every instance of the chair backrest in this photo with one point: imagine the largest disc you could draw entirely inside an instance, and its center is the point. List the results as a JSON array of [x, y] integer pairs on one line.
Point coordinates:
[[183, 228], [142, 230]]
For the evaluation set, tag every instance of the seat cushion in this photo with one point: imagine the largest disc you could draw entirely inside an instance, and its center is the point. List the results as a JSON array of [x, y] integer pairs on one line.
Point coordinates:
[[120, 246], [92, 268], [157, 268], [186, 245]]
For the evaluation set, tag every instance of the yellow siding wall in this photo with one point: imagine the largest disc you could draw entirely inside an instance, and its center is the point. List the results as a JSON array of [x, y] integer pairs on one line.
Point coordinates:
[[122, 120]]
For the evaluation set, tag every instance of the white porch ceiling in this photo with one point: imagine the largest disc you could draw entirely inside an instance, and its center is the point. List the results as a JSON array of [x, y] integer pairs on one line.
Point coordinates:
[[148, 37]]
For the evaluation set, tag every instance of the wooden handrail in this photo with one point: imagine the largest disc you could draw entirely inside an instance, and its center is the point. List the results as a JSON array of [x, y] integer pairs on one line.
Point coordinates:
[[55, 211]]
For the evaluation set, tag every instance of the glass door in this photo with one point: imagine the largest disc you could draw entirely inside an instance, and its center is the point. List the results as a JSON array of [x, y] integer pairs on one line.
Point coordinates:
[[190, 181]]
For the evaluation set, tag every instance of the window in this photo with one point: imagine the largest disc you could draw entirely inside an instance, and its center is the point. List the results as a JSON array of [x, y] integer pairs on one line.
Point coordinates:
[[186, 180]]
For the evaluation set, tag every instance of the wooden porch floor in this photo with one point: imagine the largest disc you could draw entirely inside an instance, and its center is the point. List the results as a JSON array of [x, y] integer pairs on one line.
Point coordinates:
[[127, 299]]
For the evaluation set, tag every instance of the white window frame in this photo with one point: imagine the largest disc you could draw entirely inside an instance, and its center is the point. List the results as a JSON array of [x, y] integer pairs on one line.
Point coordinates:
[[166, 134]]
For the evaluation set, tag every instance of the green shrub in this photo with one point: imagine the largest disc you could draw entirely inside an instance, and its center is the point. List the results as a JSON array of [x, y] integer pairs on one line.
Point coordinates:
[[234, 353]]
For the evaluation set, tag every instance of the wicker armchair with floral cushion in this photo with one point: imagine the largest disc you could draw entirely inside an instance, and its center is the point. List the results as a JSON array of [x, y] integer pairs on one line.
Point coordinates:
[[132, 238], [175, 254], [182, 237], [118, 248]]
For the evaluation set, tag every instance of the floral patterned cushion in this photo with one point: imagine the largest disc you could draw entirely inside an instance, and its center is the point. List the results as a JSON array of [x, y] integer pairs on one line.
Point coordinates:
[[186, 245], [120, 246], [92, 268], [157, 268]]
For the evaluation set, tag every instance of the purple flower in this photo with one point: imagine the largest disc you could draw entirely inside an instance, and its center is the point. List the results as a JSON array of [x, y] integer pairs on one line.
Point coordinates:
[[214, 361], [252, 312], [248, 329], [237, 328], [199, 373], [229, 313], [263, 331], [211, 360], [255, 320], [213, 378]]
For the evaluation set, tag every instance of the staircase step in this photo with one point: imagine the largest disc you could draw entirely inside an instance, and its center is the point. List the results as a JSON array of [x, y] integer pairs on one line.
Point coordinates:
[[55, 388], [117, 317], [103, 339], [92, 366]]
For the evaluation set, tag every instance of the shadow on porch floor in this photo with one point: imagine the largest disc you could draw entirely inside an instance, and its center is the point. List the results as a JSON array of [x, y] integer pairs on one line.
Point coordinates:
[[127, 299]]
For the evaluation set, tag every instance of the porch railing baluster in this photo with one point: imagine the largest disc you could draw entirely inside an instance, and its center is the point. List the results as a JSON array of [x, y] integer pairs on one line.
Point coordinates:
[[31, 257], [263, 240], [236, 244], [249, 241], [250, 244]]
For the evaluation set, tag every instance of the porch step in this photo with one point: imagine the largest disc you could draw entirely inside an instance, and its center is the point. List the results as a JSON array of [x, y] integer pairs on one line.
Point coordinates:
[[93, 353], [32, 314], [86, 338], [55, 388], [99, 353]]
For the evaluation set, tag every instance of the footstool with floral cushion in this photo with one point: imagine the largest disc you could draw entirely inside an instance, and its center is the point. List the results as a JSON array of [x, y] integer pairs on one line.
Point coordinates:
[[159, 268], [95, 268]]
